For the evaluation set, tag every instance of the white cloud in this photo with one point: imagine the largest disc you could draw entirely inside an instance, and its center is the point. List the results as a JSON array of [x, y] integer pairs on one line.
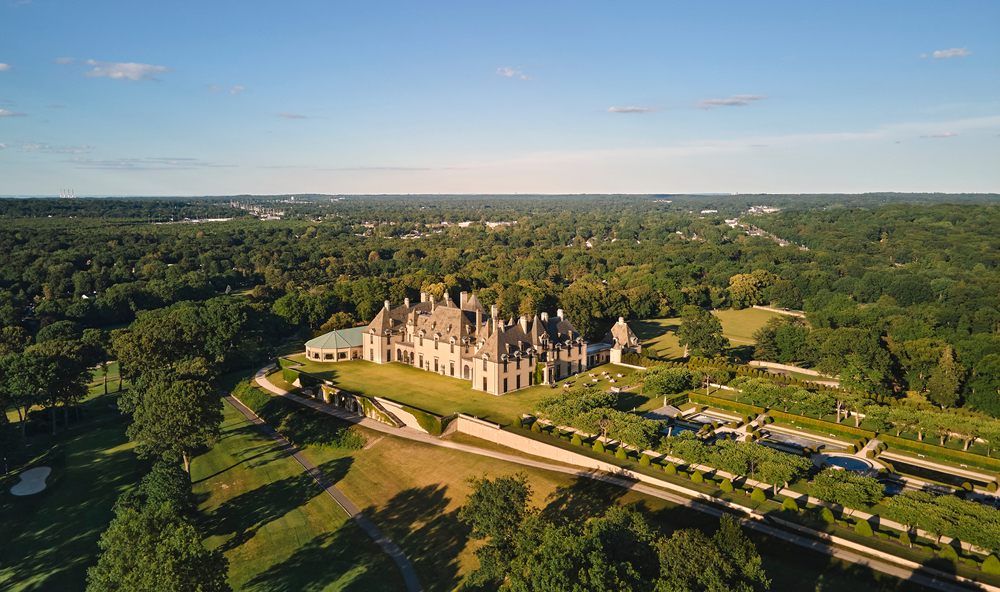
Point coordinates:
[[955, 52], [632, 109], [944, 135], [511, 73], [5, 113], [236, 90], [145, 164], [124, 71], [214, 89], [56, 106], [732, 101], [291, 116], [40, 147], [64, 60], [3, 146], [4, 67]]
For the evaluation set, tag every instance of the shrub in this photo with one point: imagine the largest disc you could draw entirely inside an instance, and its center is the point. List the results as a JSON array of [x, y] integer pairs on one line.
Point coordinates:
[[536, 427], [904, 539], [684, 474], [790, 505], [670, 469], [882, 536], [827, 515], [948, 552], [852, 448], [746, 419], [644, 460], [758, 495], [927, 549], [971, 562], [992, 487], [697, 477], [842, 523], [598, 447], [576, 441], [967, 486], [863, 528], [564, 437], [870, 454], [991, 565], [620, 453], [726, 485]]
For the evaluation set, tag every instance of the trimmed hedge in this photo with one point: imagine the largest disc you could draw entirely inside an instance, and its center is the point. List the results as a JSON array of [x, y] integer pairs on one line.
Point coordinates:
[[620, 453], [726, 485], [827, 515], [978, 460], [904, 539], [726, 404], [670, 469], [577, 440], [992, 487], [863, 528], [991, 565], [643, 460], [827, 426], [790, 505], [948, 552], [758, 495], [697, 477], [598, 447], [429, 422]]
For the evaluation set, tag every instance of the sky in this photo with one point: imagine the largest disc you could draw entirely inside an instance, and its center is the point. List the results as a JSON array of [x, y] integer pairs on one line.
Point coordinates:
[[226, 97]]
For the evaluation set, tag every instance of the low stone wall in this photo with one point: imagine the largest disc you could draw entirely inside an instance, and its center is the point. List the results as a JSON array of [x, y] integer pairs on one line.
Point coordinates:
[[793, 313], [777, 366], [401, 414]]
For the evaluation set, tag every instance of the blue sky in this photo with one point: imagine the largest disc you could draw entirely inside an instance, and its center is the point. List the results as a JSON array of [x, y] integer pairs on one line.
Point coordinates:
[[213, 98]]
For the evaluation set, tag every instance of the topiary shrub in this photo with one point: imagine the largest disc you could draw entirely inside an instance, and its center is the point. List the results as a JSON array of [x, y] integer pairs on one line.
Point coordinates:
[[948, 552], [577, 440], [598, 447], [852, 449], [842, 523], [882, 536], [991, 565], [644, 461], [904, 539], [967, 486], [620, 453], [697, 477], [827, 515], [927, 549], [758, 495], [971, 562], [992, 487], [870, 454], [726, 485], [790, 505], [863, 528], [670, 469], [536, 427]]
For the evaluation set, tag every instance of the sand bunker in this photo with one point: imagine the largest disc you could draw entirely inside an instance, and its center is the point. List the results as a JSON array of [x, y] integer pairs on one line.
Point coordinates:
[[32, 481]]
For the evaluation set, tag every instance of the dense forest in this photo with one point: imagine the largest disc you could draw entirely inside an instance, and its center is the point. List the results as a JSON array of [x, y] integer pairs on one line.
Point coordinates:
[[903, 287]]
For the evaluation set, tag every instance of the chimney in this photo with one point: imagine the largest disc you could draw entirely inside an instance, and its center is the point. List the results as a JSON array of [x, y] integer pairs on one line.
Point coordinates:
[[524, 324], [387, 305], [559, 313], [406, 303], [479, 323], [462, 298], [493, 318], [621, 320], [423, 296], [447, 298], [545, 317], [432, 302]]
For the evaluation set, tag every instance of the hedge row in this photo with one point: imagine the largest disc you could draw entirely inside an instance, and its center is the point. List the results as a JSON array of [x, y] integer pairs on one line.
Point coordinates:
[[827, 426], [431, 423], [978, 460], [726, 404]]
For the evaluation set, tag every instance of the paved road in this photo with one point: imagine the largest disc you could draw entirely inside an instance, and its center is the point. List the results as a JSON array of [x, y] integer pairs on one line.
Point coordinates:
[[405, 567], [917, 577]]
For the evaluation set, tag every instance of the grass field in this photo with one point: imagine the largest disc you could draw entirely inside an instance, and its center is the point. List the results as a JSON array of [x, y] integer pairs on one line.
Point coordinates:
[[413, 491], [738, 325], [438, 394], [278, 529], [48, 540]]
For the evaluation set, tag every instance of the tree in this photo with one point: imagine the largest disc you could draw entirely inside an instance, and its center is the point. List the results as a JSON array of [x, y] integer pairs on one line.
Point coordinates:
[[172, 415], [847, 489], [494, 511], [946, 380], [23, 377], [691, 561], [983, 386], [701, 332], [153, 548]]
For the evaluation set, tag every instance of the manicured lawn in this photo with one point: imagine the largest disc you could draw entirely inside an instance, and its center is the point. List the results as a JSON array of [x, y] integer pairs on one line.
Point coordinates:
[[277, 528], [413, 491], [738, 325], [439, 394], [48, 540]]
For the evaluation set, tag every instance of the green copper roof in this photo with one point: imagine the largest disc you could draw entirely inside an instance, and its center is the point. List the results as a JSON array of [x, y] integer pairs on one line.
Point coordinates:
[[341, 339]]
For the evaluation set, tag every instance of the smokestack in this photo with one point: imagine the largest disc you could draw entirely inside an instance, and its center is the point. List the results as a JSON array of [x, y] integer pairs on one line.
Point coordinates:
[[559, 313], [463, 297], [493, 318], [524, 324], [387, 305], [406, 303], [423, 296]]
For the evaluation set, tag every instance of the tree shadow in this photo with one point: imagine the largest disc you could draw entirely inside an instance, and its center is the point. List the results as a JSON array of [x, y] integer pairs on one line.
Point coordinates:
[[331, 558], [241, 517], [417, 520], [584, 499]]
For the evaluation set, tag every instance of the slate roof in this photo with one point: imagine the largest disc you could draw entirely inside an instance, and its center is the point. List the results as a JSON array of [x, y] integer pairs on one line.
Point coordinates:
[[342, 339]]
